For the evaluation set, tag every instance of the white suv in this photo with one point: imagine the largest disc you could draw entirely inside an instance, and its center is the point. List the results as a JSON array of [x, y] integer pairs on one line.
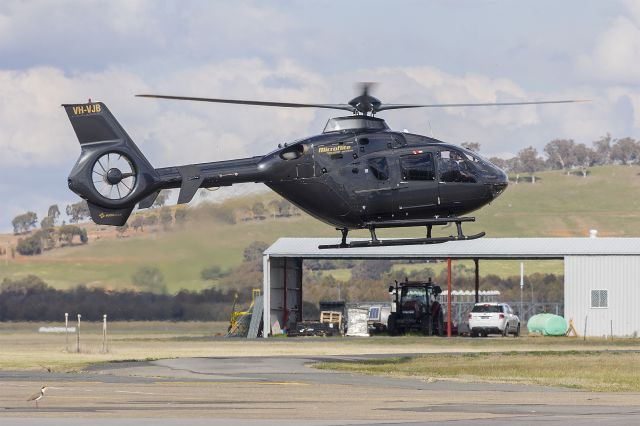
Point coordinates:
[[493, 318]]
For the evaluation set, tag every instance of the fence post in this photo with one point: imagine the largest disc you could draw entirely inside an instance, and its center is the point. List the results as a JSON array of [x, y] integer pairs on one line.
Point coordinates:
[[66, 330], [78, 334], [611, 329], [585, 328], [104, 334], [449, 298]]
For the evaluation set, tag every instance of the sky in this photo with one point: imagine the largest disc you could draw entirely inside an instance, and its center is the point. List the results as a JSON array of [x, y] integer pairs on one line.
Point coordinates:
[[305, 51]]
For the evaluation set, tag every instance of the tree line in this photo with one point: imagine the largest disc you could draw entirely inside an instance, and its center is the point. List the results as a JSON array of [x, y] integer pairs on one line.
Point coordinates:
[[31, 299], [48, 236], [567, 155]]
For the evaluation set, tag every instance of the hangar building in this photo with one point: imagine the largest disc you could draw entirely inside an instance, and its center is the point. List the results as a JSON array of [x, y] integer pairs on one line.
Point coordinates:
[[601, 275]]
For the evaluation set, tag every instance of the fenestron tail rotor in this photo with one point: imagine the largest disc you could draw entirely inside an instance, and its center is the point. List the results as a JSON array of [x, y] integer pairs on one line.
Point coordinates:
[[114, 176]]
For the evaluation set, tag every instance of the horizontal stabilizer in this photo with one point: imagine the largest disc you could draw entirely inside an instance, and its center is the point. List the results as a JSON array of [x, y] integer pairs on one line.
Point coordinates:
[[148, 200], [191, 181], [104, 216]]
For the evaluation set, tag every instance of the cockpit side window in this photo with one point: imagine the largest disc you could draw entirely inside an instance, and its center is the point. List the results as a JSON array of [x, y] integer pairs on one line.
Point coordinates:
[[379, 168], [454, 166], [417, 166]]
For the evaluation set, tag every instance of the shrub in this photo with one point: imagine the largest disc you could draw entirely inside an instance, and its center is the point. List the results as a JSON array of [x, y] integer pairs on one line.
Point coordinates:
[[30, 246]]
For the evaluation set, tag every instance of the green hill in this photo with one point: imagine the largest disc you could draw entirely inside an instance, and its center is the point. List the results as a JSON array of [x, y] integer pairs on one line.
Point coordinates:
[[556, 205]]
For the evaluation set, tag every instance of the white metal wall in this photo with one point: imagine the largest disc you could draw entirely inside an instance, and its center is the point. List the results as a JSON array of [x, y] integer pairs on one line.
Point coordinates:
[[620, 275]]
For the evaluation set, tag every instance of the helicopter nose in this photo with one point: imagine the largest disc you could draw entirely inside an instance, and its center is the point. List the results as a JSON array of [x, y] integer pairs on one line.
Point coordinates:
[[498, 188], [500, 182]]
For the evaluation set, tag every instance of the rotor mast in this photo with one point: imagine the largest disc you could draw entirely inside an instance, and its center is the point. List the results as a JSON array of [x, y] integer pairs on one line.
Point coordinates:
[[365, 103]]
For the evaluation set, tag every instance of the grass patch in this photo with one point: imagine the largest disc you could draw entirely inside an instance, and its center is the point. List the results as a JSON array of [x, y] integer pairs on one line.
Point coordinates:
[[589, 370], [23, 348]]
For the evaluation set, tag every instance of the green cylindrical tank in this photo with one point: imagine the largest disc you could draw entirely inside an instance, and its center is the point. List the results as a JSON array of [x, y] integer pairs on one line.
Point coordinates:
[[547, 324], [534, 322]]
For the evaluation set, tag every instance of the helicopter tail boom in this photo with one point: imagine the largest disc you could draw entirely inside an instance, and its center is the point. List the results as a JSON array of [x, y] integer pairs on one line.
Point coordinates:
[[113, 175]]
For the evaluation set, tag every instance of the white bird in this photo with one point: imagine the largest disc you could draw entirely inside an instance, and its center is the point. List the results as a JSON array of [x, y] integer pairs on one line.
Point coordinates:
[[38, 395]]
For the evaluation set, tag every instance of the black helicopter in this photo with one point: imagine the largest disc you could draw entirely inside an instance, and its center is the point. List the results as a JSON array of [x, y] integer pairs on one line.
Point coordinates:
[[357, 174]]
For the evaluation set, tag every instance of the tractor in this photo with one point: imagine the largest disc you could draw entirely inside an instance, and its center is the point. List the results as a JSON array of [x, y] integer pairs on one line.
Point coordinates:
[[415, 307]]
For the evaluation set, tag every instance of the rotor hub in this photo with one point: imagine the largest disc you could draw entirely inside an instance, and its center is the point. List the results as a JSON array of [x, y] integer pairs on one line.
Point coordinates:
[[114, 176], [365, 103]]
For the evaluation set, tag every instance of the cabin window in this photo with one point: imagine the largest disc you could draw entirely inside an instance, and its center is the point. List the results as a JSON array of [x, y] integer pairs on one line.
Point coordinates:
[[417, 167], [293, 152], [379, 168], [454, 166]]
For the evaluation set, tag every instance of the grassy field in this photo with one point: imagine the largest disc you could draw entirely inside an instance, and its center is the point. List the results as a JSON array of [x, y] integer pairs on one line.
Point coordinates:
[[593, 371], [558, 205], [22, 347]]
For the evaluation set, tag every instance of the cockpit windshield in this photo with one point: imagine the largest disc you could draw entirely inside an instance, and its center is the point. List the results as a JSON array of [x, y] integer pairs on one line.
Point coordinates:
[[482, 163], [356, 122], [465, 166]]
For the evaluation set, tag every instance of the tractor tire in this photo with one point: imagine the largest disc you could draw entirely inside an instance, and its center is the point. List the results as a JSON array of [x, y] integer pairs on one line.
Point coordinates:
[[392, 325], [427, 326], [439, 325]]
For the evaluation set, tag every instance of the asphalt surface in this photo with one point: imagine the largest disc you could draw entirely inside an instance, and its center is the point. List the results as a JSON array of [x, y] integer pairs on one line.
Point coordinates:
[[286, 391]]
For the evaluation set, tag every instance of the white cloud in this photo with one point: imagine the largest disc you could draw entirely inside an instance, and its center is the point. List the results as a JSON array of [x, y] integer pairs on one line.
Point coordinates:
[[443, 88], [615, 57], [35, 129], [177, 132]]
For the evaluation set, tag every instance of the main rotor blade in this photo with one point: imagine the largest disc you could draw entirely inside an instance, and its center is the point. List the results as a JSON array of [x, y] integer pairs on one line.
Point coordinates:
[[384, 107], [345, 107]]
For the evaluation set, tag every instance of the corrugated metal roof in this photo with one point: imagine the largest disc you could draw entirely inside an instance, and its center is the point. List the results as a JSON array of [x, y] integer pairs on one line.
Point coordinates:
[[483, 248]]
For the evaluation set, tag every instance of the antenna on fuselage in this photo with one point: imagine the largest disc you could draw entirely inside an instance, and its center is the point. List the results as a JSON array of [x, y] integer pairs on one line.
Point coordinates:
[[430, 129]]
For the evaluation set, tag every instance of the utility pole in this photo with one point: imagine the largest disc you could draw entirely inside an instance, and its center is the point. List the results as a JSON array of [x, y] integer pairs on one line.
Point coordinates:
[[521, 289]]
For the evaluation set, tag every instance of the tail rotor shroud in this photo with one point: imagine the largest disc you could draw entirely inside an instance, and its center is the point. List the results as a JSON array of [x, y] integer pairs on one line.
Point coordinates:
[[114, 176]]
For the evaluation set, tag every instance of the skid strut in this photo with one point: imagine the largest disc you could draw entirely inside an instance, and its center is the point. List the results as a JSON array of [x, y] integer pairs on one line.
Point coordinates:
[[376, 242]]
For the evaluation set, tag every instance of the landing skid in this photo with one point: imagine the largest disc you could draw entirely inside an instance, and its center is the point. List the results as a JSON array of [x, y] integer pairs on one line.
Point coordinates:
[[375, 242]]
